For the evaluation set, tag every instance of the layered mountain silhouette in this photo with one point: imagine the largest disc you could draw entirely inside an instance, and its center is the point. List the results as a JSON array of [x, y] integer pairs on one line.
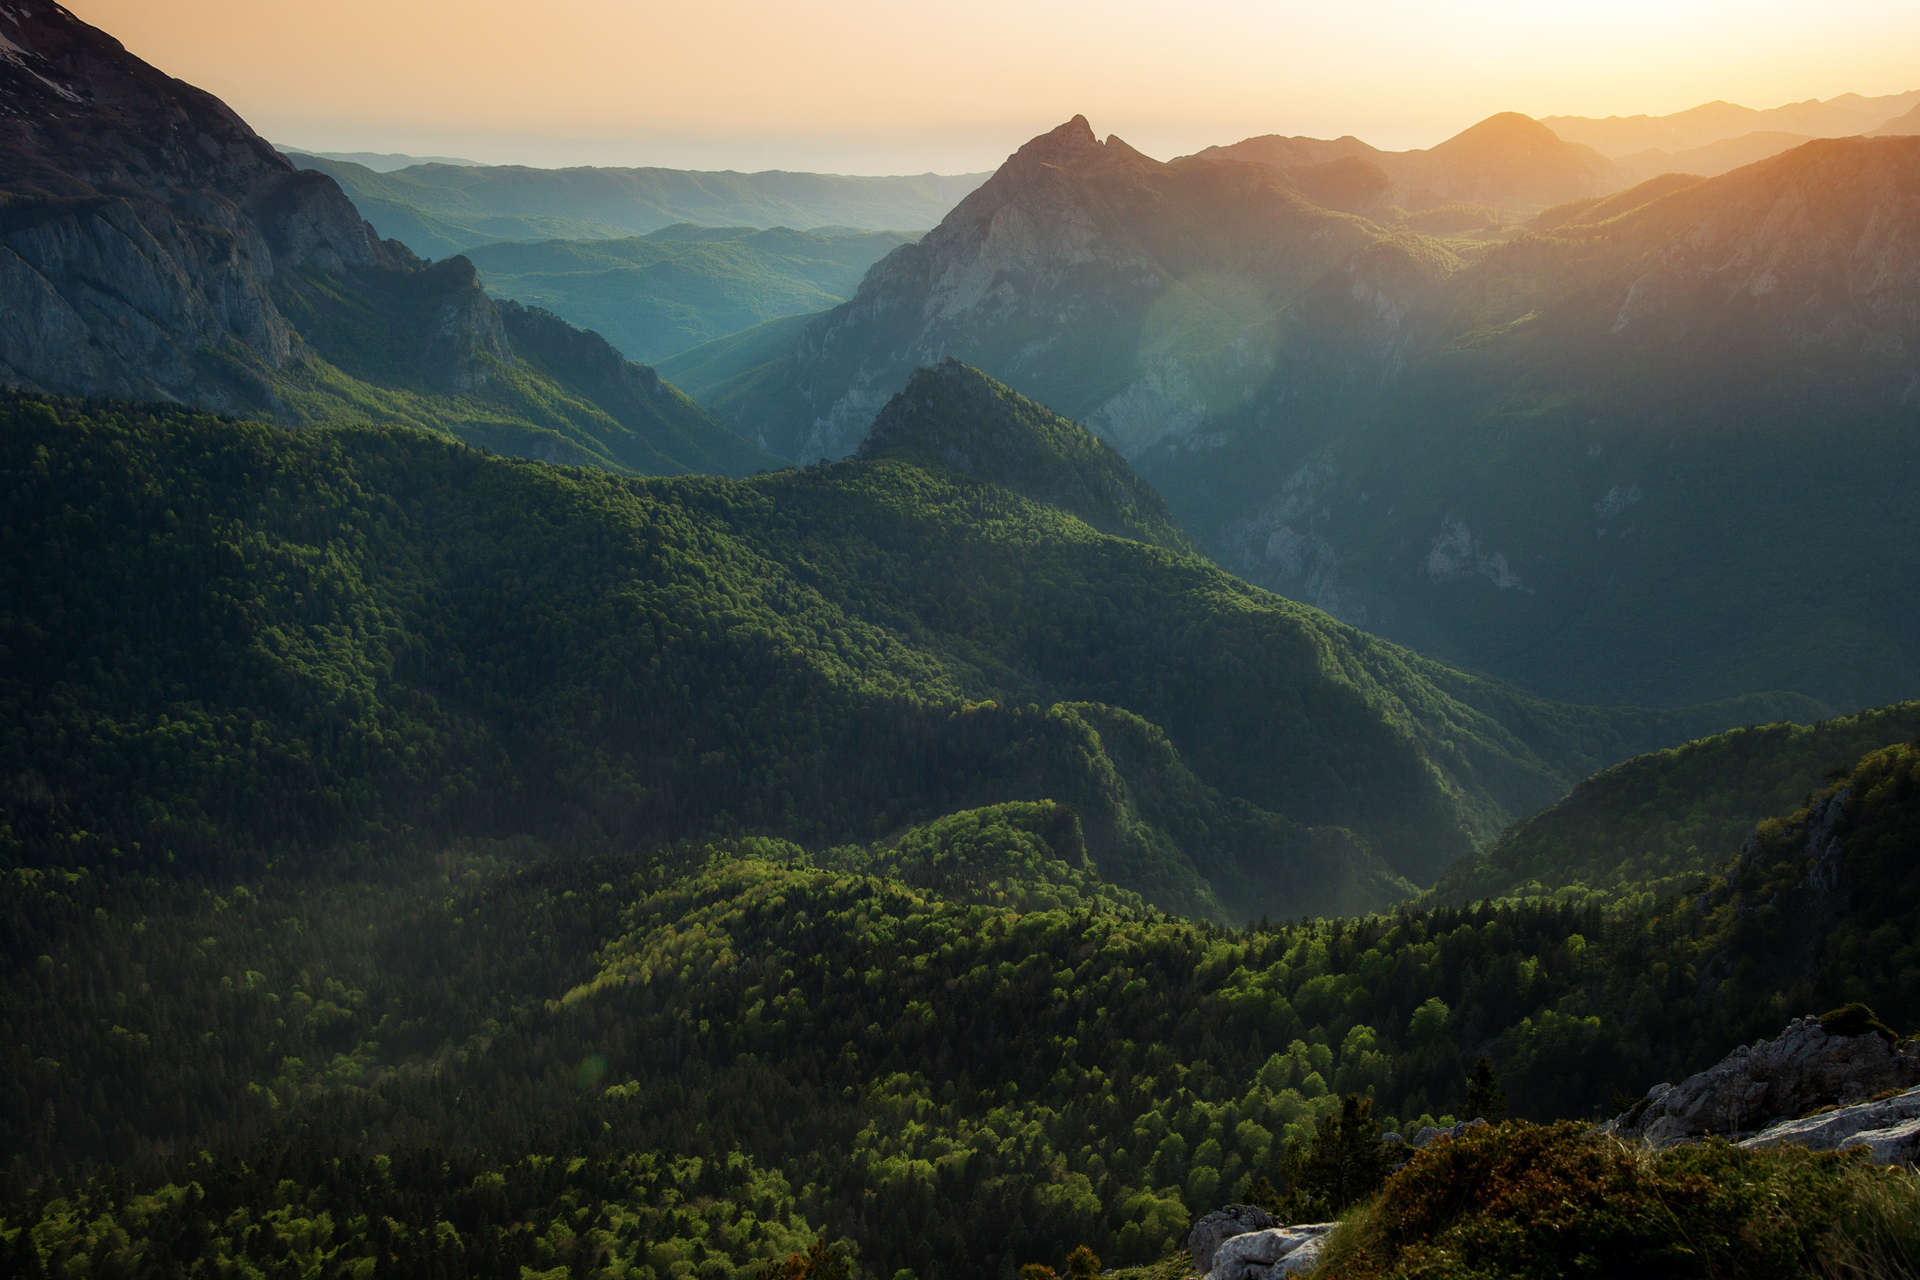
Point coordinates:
[[1606, 457], [152, 246], [1712, 122], [441, 209], [1506, 162]]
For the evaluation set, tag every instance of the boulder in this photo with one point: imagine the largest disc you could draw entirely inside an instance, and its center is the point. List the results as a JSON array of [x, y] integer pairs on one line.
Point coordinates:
[[1301, 1260], [1222, 1225], [1260, 1255], [1756, 1085], [1888, 1128], [1427, 1134]]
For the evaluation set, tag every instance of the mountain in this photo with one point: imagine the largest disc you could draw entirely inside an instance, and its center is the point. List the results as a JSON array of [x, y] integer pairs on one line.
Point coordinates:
[[420, 640], [1506, 162], [1131, 295], [154, 247], [1715, 345], [1656, 823], [956, 421], [441, 209], [1541, 458], [378, 161], [657, 295], [1714, 158], [1716, 122], [1901, 126]]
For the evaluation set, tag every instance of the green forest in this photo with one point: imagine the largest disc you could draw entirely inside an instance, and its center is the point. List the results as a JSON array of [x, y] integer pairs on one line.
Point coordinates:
[[422, 862]]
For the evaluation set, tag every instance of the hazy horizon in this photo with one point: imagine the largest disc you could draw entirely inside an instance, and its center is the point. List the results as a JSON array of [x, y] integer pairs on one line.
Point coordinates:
[[868, 88]]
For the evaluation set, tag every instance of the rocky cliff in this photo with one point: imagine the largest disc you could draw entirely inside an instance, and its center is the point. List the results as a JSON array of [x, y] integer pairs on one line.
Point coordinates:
[[143, 224], [154, 247], [1138, 297]]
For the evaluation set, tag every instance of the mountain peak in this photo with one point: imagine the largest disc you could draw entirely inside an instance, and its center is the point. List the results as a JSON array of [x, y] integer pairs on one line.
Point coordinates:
[[1070, 141], [952, 418], [1503, 129]]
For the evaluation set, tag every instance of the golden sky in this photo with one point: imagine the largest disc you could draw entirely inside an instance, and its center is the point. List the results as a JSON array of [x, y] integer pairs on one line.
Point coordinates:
[[864, 86]]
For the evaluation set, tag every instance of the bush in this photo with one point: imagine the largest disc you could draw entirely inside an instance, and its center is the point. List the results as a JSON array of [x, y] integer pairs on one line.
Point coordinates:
[[1522, 1200]]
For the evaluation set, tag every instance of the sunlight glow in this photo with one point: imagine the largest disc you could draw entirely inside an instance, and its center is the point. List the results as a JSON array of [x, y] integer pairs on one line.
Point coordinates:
[[872, 85]]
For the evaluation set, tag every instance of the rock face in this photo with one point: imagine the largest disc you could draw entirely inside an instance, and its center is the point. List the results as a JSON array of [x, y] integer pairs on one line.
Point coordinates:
[[1427, 1134], [144, 224], [1221, 1225], [1756, 1086], [1269, 1253], [1889, 1129], [153, 247]]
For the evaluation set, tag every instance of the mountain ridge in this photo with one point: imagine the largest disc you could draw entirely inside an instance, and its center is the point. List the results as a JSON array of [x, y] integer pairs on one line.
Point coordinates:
[[156, 248], [1335, 410]]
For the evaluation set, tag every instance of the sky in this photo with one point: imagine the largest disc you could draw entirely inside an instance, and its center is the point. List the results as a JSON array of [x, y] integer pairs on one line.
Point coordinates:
[[869, 86]]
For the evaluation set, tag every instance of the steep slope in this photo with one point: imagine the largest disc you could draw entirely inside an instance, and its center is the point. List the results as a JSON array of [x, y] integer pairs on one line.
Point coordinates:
[[1656, 379], [153, 246], [1134, 296], [442, 209], [657, 295], [1658, 822], [956, 420]]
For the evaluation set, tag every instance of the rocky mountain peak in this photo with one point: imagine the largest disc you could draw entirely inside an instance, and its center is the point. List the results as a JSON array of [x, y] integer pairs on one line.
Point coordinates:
[[1063, 144]]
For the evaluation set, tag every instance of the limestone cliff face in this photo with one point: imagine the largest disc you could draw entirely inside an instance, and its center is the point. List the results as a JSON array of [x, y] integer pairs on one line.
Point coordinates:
[[147, 235]]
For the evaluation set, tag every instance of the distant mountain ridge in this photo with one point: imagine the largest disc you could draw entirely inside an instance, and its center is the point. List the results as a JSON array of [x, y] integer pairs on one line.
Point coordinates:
[[657, 295], [153, 247], [1507, 161], [378, 161], [438, 209], [1714, 122]]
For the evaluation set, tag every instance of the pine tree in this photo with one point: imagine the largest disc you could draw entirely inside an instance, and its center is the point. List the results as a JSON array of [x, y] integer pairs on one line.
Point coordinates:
[[1486, 1100]]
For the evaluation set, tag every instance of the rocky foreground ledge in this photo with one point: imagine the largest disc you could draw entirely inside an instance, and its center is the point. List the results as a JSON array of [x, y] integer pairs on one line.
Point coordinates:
[[1826, 1082], [1243, 1242]]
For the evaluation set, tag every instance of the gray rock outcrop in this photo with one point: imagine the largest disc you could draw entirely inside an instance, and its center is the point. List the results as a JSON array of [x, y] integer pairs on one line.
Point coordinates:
[[1222, 1225], [1889, 1128], [1427, 1134], [1269, 1253], [1769, 1081]]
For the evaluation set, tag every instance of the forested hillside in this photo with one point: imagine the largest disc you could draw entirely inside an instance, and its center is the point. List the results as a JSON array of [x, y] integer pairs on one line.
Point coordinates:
[[943, 1057], [247, 644], [1657, 822]]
